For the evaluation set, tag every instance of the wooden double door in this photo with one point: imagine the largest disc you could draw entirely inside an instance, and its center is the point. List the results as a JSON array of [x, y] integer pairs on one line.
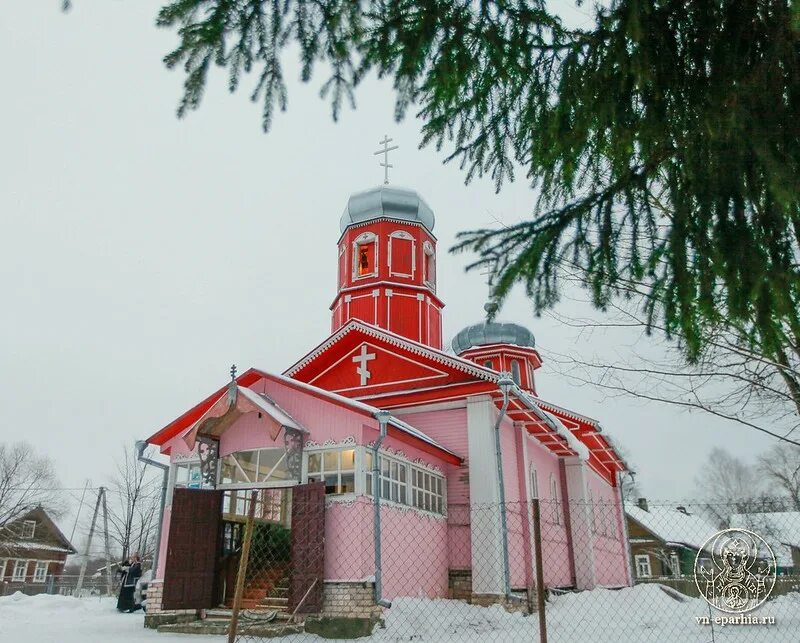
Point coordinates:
[[199, 568]]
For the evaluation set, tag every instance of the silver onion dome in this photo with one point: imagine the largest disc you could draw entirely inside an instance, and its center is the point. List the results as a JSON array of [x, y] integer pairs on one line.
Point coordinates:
[[495, 332], [388, 202]]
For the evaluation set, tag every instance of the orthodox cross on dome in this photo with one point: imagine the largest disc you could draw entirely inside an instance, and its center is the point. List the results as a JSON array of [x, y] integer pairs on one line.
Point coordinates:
[[362, 359], [491, 305], [385, 151]]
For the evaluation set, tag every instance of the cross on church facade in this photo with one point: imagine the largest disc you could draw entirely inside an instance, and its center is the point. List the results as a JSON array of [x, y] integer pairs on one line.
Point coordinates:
[[362, 359], [385, 151]]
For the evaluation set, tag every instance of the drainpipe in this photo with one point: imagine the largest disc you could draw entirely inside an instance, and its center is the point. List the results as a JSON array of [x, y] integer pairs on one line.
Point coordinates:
[[383, 420], [141, 445], [505, 383], [627, 543]]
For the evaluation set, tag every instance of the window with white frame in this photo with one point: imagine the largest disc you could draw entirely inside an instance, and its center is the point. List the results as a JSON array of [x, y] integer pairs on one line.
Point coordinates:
[[20, 570], [407, 484], [365, 256], [27, 528], [556, 509], [429, 265], [427, 491], [534, 483], [393, 478], [335, 467], [674, 564], [643, 569], [262, 467], [188, 475], [402, 260], [40, 572]]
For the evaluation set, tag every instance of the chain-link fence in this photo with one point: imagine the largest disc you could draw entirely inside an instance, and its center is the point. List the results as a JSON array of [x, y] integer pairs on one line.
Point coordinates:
[[560, 572]]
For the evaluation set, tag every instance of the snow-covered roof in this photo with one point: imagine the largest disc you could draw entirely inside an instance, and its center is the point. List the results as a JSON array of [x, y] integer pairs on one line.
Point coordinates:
[[366, 408], [781, 530], [672, 525], [270, 408], [33, 545]]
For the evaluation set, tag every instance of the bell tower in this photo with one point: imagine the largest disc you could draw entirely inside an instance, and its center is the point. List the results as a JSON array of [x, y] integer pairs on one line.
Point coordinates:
[[387, 265]]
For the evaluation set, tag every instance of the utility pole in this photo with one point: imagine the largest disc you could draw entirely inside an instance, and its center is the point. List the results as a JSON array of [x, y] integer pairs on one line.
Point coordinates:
[[89, 542], [108, 547], [101, 500]]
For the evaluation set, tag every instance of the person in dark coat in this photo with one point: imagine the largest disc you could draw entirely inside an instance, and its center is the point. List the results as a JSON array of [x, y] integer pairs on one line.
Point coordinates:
[[130, 571]]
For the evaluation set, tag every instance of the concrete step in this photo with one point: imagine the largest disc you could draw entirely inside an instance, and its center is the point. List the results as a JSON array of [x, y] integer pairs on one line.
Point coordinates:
[[250, 628], [278, 604]]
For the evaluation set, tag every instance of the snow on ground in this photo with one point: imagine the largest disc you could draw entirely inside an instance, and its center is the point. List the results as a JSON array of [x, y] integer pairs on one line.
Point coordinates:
[[641, 614]]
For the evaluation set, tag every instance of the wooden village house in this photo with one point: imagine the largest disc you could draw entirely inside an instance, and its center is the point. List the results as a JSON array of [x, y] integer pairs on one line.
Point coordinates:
[[33, 552], [381, 457], [664, 540]]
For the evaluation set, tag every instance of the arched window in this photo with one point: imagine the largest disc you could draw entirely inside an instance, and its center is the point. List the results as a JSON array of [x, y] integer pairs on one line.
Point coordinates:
[[402, 259], [429, 257], [515, 371], [365, 256]]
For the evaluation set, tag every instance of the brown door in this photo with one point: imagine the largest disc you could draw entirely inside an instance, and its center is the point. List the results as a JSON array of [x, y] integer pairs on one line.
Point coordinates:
[[308, 548], [194, 532]]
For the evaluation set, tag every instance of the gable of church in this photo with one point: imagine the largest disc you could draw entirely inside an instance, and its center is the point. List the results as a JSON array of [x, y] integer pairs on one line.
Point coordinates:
[[361, 361]]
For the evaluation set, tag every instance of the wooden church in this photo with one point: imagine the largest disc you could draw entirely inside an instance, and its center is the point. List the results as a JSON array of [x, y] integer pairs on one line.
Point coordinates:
[[396, 467]]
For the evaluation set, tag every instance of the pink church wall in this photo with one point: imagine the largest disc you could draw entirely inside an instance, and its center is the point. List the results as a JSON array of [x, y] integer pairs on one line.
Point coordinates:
[[449, 428], [555, 539], [610, 552], [162, 548]]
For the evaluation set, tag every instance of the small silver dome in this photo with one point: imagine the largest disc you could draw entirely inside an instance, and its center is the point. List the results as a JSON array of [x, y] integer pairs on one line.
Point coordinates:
[[487, 333], [389, 202]]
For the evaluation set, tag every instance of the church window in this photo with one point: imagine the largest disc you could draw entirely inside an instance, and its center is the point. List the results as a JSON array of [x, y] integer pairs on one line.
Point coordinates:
[[189, 475], [487, 363], [643, 569], [365, 256], [335, 467], [402, 262], [257, 467], [427, 491], [556, 509], [515, 371], [429, 265], [534, 483]]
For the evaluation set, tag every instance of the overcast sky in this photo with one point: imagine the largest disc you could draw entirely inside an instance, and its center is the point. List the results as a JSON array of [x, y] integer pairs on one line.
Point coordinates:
[[141, 255]]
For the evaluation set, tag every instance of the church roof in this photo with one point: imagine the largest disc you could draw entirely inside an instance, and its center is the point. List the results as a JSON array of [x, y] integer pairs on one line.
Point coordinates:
[[389, 202], [486, 333]]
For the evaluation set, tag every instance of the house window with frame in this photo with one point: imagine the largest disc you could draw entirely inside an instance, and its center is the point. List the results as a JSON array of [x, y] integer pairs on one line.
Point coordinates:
[[643, 569], [20, 570], [675, 565], [365, 256], [40, 572], [27, 529], [335, 467]]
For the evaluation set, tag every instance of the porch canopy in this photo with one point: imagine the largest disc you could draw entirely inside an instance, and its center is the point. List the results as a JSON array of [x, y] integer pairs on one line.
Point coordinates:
[[233, 404]]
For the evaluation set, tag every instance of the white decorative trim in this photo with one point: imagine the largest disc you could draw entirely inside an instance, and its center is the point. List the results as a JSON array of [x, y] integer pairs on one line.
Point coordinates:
[[396, 340], [400, 455], [346, 499], [349, 441]]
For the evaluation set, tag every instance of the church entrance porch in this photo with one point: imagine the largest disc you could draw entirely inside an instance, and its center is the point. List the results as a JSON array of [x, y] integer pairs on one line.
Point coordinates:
[[284, 569]]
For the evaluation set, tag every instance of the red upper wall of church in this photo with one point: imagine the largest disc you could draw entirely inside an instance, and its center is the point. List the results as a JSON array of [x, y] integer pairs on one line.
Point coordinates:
[[387, 277]]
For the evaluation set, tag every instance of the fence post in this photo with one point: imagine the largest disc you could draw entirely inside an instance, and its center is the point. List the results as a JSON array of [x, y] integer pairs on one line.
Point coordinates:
[[237, 597], [537, 545]]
